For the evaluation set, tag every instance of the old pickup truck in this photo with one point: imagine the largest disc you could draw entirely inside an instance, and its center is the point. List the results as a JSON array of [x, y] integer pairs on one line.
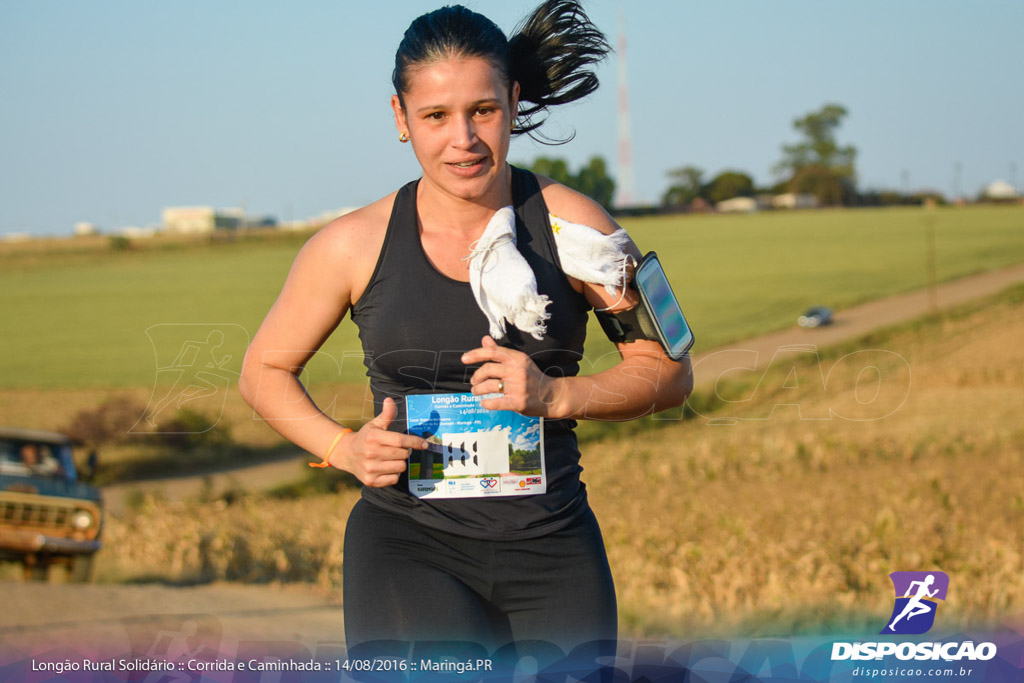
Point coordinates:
[[47, 516]]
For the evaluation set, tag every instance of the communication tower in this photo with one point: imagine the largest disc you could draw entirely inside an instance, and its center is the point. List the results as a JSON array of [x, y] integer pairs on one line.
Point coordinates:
[[626, 195]]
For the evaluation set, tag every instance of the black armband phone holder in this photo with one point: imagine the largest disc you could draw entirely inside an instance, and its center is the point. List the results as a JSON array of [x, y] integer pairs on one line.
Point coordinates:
[[629, 325], [657, 317]]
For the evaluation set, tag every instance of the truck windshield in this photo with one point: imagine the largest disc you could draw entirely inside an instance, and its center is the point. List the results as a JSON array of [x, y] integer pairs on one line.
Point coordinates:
[[28, 458]]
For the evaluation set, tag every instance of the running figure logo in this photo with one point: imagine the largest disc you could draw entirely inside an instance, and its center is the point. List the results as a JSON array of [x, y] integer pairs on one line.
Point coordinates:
[[917, 596], [191, 370]]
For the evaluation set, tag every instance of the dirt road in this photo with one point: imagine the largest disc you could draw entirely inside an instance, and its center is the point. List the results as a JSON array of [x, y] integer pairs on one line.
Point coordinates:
[[111, 620], [850, 324], [251, 478], [115, 619]]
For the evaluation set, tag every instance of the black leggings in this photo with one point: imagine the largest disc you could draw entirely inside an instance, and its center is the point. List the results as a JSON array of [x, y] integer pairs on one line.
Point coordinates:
[[407, 582]]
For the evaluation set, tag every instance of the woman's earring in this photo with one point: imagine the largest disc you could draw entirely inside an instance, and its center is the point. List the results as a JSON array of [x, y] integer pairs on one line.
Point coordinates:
[[404, 137]]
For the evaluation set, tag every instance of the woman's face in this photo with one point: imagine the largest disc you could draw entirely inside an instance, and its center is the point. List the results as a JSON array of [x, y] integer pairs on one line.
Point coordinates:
[[458, 113]]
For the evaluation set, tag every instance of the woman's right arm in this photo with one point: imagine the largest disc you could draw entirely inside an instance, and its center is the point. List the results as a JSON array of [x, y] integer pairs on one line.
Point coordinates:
[[328, 273]]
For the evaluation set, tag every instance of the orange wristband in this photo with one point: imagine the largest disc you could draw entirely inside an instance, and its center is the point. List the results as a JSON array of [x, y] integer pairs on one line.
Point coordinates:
[[327, 456]]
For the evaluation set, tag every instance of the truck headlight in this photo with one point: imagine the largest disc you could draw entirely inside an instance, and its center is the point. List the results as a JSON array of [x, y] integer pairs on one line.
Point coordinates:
[[82, 519]]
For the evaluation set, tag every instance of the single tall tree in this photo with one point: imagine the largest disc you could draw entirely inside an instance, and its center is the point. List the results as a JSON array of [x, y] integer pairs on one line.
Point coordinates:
[[817, 164]]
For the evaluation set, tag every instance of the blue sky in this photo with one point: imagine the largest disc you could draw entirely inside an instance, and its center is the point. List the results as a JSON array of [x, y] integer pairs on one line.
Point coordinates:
[[115, 109]]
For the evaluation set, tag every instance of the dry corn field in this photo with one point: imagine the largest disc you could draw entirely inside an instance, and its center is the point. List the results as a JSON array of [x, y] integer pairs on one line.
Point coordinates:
[[757, 524]]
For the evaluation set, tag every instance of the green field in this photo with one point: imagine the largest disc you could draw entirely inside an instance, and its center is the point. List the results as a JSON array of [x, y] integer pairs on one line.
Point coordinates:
[[112, 319]]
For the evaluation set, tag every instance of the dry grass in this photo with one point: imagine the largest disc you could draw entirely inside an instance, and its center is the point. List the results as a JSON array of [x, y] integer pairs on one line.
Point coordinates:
[[787, 524], [769, 525], [254, 539]]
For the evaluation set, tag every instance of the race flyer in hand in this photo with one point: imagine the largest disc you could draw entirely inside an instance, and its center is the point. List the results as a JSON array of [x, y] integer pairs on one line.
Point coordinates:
[[474, 452]]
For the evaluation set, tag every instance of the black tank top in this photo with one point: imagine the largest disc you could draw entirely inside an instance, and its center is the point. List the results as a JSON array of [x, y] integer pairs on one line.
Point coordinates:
[[415, 323]]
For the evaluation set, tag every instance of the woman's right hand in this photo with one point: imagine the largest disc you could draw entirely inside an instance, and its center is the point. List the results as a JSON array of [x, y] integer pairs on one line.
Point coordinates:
[[375, 455]]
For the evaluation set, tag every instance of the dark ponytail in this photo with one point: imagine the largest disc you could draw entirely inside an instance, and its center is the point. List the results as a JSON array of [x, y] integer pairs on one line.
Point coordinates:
[[550, 54]]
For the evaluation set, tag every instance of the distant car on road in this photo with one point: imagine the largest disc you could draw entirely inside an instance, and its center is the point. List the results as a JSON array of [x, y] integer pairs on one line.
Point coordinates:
[[47, 516], [816, 317]]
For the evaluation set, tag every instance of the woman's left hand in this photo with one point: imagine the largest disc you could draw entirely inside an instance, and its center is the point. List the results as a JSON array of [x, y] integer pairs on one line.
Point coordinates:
[[514, 375]]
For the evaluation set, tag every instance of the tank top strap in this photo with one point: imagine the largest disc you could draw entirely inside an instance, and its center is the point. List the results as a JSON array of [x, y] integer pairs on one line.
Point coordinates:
[[403, 226], [396, 241], [532, 214]]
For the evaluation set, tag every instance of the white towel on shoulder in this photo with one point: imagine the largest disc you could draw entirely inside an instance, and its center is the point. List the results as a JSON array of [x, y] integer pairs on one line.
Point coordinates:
[[589, 255], [505, 287]]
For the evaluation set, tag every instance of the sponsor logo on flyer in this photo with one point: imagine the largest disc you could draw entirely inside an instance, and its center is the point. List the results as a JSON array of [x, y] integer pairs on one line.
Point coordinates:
[[916, 602], [533, 480], [424, 487], [489, 482]]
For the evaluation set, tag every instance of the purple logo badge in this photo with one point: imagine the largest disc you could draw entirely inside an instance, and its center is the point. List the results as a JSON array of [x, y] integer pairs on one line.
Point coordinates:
[[917, 596]]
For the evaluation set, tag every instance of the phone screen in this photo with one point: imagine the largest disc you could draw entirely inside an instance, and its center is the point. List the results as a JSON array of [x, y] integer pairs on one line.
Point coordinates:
[[663, 306]]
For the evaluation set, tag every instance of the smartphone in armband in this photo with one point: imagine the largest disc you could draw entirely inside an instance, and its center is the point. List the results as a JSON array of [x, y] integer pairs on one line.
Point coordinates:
[[663, 307]]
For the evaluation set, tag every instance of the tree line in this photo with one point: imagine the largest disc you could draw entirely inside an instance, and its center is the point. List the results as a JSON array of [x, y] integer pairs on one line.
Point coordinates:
[[592, 179], [816, 164]]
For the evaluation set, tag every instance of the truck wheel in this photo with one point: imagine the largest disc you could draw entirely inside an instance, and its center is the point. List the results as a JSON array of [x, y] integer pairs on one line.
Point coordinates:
[[81, 569]]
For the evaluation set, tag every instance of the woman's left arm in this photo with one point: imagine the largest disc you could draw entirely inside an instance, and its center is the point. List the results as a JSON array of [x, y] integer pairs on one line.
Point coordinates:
[[643, 382]]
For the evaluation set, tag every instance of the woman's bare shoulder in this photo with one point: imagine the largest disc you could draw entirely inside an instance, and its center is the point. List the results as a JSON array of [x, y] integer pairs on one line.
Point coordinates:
[[346, 250], [574, 206], [359, 229]]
